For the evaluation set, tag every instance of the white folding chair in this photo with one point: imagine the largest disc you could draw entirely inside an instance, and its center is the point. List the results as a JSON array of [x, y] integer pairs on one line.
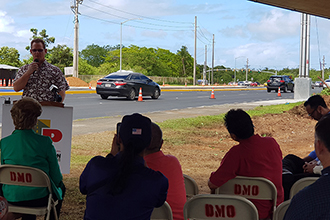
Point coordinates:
[[281, 210], [190, 185], [300, 184], [29, 177], [206, 207], [162, 213], [250, 188]]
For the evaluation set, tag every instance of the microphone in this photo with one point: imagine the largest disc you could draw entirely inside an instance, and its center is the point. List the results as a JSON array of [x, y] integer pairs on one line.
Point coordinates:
[[36, 61]]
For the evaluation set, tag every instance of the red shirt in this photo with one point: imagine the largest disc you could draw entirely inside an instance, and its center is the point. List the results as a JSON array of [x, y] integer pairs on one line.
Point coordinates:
[[171, 168], [253, 157]]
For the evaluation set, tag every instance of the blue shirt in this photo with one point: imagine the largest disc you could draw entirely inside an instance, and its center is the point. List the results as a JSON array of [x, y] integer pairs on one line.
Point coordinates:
[[313, 202], [145, 189]]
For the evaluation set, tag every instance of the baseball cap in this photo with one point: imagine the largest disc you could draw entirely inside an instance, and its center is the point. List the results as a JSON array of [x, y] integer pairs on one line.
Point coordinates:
[[136, 129]]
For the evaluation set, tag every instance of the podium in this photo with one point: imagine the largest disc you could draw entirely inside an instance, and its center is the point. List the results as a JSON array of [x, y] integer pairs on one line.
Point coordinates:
[[55, 121]]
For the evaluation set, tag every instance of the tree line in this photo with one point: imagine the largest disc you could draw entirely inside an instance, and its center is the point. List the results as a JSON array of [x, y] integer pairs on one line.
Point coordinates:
[[102, 60]]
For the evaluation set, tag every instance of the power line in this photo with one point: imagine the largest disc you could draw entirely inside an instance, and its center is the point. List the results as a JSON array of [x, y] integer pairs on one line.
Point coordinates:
[[140, 15], [130, 25], [142, 22]]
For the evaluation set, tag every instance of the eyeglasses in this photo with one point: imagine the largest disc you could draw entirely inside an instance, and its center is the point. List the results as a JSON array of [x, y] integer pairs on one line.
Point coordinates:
[[37, 50], [310, 115]]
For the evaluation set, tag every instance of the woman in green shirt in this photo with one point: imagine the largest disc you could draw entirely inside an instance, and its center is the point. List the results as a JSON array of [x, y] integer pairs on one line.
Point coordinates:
[[25, 147]]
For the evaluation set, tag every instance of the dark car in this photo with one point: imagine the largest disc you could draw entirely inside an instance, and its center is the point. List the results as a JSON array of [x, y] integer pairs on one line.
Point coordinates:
[[127, 84], [283, 82]]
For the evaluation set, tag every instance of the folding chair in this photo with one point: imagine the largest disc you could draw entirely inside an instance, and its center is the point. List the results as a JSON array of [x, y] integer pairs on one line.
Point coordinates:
[[208, 207], [281, 210], [162, 213], [300, 184], [191, 186], [250, 188], [29, 177]]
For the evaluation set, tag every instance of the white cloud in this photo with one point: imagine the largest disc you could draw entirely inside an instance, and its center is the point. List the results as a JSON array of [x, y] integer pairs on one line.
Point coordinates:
[[275, 25], [6, 23]]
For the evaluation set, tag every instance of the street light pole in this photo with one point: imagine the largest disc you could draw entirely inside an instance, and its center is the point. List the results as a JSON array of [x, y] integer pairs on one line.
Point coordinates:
[[121, 37], [235, 68]]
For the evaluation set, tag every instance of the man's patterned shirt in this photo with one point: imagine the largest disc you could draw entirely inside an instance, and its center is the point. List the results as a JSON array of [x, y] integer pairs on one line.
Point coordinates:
[[39, 82]]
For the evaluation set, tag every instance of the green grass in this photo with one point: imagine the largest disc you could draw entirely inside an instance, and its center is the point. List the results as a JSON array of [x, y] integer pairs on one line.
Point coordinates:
[[206, 121]]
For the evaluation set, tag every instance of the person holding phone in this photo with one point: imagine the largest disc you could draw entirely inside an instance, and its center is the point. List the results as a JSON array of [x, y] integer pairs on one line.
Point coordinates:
[[38, 77], [120, 186]]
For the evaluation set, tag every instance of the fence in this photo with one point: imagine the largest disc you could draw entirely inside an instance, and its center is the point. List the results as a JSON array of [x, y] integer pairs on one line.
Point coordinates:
[[157, 79]]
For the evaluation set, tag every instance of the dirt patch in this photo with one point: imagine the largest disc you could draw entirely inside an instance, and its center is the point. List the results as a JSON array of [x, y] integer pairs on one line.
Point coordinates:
[[76, 82]]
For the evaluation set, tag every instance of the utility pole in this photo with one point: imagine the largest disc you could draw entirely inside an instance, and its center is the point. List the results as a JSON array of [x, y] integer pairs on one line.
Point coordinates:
[[204, 72], [212, 58], [247, 69], [195, 52], [76, 38]]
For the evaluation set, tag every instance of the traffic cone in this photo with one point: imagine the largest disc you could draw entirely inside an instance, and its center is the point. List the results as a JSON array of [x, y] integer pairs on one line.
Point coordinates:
[[11, 83], [212, 94], [140, 95], [90, 86], [279, 92], [0, 82]]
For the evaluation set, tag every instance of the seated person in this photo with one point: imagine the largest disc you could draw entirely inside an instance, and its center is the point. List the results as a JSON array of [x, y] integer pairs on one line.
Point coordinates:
[[120, 186], [254, 156], [294, 167], [313, 202], [25, 147], [171, 168]]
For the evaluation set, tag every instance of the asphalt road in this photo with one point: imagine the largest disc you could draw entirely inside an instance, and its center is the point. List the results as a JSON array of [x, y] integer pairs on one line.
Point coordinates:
[[92, 114]]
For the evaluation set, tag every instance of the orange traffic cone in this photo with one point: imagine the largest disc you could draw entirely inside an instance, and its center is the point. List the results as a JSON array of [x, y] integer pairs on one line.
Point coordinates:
[[279, 92], [0, 82], [90, 86], [140, 95], [11, 83], [212, 94]]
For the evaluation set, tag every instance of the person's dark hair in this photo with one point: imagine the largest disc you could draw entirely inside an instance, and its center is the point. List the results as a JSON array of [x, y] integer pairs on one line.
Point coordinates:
[[238, 122], [156, 138], [135, 133], [314, 101], [322, 129], [25, 113], [38, 40]]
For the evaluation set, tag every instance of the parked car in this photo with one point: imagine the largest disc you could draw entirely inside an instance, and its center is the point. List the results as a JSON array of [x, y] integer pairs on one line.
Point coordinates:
[[247, 83], [318, 84], [283, 82], [241, 83], [327, 81], [127, 84], [255, 84]]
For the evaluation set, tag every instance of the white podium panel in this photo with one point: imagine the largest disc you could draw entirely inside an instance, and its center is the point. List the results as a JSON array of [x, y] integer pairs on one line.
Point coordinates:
[[55, 122]]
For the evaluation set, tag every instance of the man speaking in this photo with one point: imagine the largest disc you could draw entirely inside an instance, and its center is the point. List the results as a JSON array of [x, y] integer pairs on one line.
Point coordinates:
[[40, 79]]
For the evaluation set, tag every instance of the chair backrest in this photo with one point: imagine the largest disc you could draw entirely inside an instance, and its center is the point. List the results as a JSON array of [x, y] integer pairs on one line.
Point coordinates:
[[219, 207], [190, 185], [24, 176], [250, 188], [281, 210], [28, 177], [300, 184], [162, 213]]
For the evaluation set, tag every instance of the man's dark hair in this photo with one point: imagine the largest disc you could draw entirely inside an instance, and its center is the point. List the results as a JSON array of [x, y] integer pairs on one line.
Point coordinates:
[[238, 122], [322, 129], [314, 101], [38, 40]]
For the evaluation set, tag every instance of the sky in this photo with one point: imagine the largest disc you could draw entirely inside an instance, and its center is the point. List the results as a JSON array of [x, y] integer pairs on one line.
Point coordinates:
[[244, 31]]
